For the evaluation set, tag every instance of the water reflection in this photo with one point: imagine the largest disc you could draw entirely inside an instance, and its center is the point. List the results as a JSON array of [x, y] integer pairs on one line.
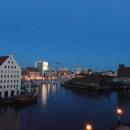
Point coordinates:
[[48, 90], [123, 97], [9, 118], [67, 109], [44, 95]]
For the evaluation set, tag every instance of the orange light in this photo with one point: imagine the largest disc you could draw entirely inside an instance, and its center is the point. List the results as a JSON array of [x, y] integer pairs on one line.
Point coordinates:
[[119, 111], [89, 127]]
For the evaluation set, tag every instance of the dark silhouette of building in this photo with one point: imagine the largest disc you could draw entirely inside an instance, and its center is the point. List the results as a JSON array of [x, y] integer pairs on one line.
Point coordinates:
[[123, 71]]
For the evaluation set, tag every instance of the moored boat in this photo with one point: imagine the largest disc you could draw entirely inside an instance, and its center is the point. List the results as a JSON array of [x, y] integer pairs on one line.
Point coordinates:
[[28, 94]]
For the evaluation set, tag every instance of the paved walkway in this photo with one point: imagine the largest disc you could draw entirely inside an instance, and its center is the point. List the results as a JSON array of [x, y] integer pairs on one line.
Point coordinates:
[[123, 128]]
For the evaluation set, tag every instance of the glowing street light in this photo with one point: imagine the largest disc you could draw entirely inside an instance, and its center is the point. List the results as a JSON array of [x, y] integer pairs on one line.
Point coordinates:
[[119, 112], [88, 127]]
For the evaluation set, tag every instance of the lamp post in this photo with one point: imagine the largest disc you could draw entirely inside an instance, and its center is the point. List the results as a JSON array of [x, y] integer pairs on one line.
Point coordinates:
[[88, 126], [119, 112]]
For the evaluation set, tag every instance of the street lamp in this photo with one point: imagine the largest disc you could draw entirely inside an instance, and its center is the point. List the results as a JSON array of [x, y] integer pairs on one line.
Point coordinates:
[[119, 112], [88, 126]]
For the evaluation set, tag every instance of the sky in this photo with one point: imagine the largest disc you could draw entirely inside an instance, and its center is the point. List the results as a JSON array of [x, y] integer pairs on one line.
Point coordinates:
[[75, 33]]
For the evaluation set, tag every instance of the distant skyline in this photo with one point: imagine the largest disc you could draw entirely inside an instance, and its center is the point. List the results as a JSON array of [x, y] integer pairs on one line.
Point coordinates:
[[79, 33]]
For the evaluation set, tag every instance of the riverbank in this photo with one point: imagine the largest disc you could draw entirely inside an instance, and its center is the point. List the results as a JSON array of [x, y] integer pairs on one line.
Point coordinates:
[[93, 83]]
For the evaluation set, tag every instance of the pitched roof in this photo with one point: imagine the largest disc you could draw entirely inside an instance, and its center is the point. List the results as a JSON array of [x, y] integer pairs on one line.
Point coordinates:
[[3, 59]]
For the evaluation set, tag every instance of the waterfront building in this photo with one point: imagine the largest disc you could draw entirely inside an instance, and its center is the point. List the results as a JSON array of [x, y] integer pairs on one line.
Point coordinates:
[[31, 74], [109, 73], [86, 71], [42, 66], [124, 71], [10, 77], [63, 69], [78, 70]]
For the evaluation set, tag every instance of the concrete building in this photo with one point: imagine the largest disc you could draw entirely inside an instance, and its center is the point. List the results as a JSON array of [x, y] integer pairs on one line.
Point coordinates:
[[10, 77], [42, 66]]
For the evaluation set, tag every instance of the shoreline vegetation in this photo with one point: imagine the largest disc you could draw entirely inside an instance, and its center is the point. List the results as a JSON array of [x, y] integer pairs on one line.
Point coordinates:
[[93, 83]]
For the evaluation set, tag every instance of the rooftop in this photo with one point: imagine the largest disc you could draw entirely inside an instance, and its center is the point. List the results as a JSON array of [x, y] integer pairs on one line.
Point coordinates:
[[3, 59]]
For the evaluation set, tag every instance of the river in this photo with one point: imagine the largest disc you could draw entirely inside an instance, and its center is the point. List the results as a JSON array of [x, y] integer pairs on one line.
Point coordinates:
[[58, 108]]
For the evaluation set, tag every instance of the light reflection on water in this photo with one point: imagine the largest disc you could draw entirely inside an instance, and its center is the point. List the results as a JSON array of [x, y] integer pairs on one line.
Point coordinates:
[[71, 108], [44, 95]]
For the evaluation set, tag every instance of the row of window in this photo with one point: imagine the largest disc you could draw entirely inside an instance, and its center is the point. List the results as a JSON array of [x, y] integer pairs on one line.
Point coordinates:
[[4, 71], [13, 67], [11, 86], [7, 81], [9, 76], [10, 62]]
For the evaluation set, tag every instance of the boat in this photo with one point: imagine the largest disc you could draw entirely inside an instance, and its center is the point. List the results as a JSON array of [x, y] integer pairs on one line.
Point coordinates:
[[29, 93]]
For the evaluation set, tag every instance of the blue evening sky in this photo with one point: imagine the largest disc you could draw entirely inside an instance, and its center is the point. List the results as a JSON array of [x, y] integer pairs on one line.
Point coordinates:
[[86, 33]]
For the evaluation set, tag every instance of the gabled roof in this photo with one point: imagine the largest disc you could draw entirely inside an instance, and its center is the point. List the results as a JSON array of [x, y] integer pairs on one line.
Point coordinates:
[[3, 59]]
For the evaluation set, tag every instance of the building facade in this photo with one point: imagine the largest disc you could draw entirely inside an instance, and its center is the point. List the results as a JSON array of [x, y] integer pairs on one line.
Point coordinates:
[[31, 73], [42, 66], [10, 77], [123, 71]]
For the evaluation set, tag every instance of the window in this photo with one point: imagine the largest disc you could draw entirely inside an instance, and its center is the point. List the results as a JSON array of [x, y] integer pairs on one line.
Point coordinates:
[[5, 66], [1, 81]]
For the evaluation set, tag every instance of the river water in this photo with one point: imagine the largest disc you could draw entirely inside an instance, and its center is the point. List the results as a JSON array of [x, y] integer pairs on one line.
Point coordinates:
[[58, 108]]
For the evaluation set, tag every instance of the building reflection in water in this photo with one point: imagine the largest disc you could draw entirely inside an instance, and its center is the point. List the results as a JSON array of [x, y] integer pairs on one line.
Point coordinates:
[[9, 118], [47, 91], [124, 97]]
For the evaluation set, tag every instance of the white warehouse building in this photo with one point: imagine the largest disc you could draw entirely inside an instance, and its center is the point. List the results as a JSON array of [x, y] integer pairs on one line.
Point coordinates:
[[10, 77], [42, 66]]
